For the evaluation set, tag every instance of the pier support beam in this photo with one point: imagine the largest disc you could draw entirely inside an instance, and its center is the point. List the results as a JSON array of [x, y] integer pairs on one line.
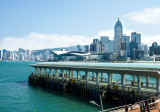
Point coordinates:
[[133, 79], [101, 76], [62, 75], [50, 73], [158, 85], [123, 81], [139, 83], [87, 77], [36, 70], [97, 78], [147, 81], [78, 76], [41, 71], [93, 76], [56, 70], [70, 74], [109, 79], [45, 72]]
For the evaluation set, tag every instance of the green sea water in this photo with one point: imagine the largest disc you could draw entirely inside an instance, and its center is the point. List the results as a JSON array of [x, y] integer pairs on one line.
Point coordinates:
[[16, 95]]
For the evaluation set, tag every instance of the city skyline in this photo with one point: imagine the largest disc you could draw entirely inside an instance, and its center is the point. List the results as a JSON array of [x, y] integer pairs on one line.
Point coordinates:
[[62, 26]]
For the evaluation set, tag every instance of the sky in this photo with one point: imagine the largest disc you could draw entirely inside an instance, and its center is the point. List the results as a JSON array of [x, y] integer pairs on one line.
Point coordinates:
[[39, 24]]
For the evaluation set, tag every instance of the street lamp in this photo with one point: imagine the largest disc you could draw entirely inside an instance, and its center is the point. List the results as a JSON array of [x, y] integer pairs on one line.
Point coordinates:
[[94, 103]]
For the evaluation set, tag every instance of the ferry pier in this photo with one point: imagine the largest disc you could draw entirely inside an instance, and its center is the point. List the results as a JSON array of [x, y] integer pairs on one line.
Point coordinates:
[[97, 80]]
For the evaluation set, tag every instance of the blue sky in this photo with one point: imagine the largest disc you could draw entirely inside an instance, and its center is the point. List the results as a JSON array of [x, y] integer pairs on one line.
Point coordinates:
[[56, 23]]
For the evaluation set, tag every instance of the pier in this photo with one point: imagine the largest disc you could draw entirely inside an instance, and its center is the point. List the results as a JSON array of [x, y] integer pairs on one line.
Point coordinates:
[[97, 80]]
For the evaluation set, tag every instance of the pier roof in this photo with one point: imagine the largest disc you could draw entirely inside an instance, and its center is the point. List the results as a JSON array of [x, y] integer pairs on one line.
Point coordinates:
[[117, 68]]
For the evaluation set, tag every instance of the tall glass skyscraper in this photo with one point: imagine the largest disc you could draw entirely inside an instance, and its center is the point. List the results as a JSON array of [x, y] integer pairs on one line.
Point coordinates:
[[118, 29], [118, 33]]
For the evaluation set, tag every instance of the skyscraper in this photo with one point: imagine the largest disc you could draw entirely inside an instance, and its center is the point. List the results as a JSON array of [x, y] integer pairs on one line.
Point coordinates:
[[136, 37], [104, 44], [118, 33], [118, 29], [125, 42]]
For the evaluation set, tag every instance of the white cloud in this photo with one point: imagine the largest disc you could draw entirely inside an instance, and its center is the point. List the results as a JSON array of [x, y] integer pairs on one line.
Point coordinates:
[[148, 15], [41, 41], [149, 39]]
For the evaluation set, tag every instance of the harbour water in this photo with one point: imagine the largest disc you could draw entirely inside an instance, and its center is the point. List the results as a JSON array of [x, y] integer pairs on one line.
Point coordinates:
[[17, 96]]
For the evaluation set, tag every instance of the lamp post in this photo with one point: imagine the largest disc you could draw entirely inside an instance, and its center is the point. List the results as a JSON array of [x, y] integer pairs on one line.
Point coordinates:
[[101, 105]]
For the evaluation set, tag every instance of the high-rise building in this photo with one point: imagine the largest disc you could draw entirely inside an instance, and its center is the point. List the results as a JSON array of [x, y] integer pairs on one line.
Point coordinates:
[[153, 49], [86, 48], [79, 48], [95, 47], [1, 54], [136, 37], [144, 48], [118, 33], [118, 29], [111, 46], [125, 42], [104, 44]]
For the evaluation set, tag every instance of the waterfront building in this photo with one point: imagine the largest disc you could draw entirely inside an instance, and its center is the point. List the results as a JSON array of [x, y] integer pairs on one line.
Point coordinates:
[[70, 55], [1, 54], [95, 47], [144, 48], [136, 37], [125, 42], [104, 44], [153, 49], [79, 48], [86, 48], [118, 33], [135, 46], [111, 46]]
